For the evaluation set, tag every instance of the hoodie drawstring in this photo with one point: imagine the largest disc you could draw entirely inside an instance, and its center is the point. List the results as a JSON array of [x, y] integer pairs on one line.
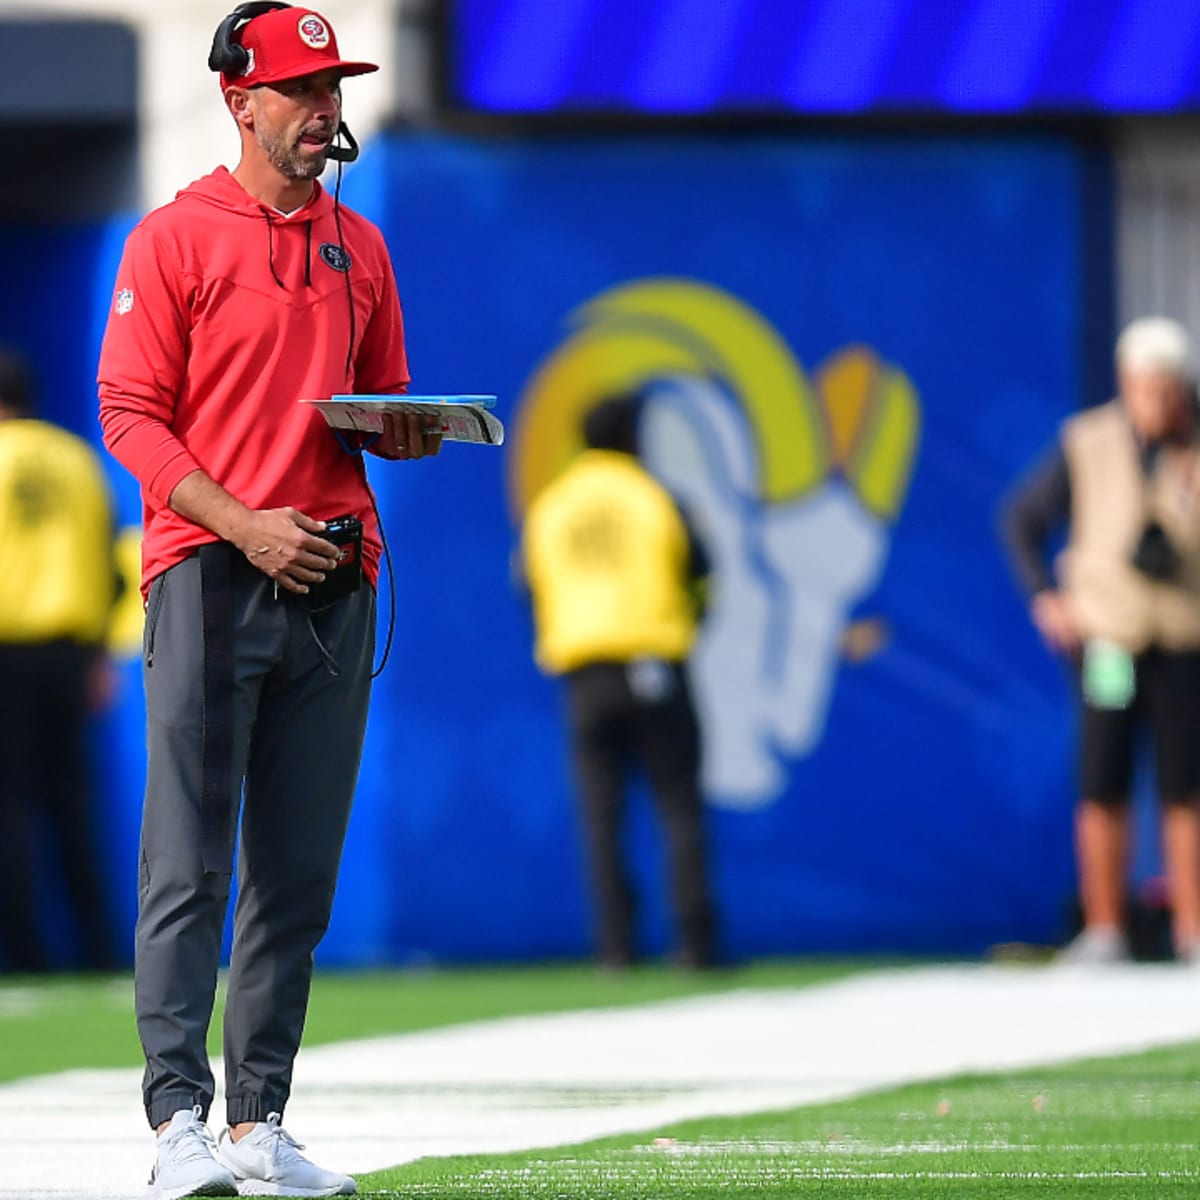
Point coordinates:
[[271, 248], [308, 226]]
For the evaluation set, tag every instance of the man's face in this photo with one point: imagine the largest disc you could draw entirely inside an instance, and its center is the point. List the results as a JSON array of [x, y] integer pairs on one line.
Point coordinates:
[[1157, 402], [295, 122]]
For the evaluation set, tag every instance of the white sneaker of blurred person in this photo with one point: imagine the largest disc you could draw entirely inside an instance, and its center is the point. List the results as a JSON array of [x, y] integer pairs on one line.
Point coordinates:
[[1100, 946], [267, 1162], [187, 1163]]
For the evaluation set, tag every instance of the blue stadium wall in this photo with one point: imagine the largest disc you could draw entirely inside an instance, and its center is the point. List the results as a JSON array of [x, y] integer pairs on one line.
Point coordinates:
[[892, 763]]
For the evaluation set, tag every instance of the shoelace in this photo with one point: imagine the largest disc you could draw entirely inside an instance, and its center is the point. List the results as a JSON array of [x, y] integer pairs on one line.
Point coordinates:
[[285, 1146], [193, 1140]]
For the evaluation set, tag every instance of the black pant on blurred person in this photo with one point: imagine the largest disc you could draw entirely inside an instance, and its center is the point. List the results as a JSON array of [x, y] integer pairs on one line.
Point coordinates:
[[626, 714], [44, 785]]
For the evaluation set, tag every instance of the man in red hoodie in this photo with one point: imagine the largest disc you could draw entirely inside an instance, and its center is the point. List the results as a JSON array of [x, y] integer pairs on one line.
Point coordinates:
[[251, 291]]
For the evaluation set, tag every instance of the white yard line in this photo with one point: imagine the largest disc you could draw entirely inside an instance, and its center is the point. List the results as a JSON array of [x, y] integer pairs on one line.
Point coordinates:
[[531, 1082]]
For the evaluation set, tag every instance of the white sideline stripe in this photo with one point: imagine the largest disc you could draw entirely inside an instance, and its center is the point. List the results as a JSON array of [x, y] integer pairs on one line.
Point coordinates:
[[529, 1082]]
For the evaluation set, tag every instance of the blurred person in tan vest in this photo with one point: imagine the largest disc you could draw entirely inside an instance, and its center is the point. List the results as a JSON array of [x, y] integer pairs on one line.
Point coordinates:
[[58, 585], [1125, 480], [613, 567]]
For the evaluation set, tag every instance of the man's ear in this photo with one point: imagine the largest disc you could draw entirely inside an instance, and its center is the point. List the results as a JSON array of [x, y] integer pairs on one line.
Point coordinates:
[[237, 100]]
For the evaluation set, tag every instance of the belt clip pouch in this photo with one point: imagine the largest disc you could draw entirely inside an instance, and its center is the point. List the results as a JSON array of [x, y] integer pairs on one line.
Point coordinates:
[[346, 533]]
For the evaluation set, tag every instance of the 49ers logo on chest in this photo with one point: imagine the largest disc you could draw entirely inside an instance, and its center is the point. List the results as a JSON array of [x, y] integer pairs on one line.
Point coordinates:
[[313, 31]]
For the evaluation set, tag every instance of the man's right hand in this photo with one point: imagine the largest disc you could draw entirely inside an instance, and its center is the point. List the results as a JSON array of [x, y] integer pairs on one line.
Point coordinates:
[[285, 545], [1054, 616]]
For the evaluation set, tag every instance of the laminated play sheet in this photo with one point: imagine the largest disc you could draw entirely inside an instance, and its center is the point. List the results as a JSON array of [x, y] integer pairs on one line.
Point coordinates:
[[459, 418]]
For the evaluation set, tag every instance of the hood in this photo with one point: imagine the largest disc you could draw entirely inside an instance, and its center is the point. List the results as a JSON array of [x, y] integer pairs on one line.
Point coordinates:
[[221, 190]]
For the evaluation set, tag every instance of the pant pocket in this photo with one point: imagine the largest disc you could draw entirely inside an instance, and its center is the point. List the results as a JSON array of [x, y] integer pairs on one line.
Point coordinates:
[[154, 602]]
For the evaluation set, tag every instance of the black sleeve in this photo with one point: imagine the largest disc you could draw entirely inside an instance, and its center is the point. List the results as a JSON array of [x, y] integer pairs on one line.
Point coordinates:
[[1039, 507]]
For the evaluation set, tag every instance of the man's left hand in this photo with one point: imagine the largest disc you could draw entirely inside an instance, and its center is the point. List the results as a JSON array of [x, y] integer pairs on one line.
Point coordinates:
[[407, 436]]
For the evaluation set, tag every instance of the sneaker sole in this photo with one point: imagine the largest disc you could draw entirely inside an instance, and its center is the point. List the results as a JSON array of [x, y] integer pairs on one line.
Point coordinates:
[[260, 1187], [215, 1187]]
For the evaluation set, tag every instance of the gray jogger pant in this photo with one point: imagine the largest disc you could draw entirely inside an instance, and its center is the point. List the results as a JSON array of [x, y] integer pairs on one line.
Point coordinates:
[[295, 738]]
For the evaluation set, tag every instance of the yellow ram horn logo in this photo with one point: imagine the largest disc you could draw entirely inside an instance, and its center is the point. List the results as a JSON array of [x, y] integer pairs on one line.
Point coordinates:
[[793, 481], [862, 417]]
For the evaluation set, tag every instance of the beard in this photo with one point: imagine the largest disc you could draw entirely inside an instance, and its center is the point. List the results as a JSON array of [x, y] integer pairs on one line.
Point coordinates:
[[287, 156]]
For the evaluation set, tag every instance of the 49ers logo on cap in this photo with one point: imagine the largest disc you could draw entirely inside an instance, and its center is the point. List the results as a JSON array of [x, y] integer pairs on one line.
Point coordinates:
[[314, 32]]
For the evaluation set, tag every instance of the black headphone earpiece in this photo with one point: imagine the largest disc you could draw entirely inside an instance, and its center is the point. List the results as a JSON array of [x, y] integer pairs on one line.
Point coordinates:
[[227, 55]]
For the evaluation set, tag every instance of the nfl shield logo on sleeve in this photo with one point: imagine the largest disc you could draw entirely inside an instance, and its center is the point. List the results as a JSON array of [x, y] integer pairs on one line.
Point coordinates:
[[124, 301]]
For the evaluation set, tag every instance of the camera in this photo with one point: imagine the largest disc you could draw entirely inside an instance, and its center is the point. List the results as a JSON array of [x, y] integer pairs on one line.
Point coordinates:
[[346, 533], [1154, 556]]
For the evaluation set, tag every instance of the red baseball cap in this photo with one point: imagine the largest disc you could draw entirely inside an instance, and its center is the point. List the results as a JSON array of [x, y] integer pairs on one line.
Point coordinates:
[[287, 43]]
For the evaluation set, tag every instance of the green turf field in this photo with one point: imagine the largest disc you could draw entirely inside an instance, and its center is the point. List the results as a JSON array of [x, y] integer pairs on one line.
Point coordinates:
[[1107, 1128], [57, 1024]]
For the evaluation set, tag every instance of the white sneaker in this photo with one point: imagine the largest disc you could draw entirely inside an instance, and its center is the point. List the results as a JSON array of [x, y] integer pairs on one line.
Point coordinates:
[[187, 1163], [1095, 948], [268, 1162]]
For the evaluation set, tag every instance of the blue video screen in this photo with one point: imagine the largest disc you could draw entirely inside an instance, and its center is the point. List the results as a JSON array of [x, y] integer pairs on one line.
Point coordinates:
[[825, 57]]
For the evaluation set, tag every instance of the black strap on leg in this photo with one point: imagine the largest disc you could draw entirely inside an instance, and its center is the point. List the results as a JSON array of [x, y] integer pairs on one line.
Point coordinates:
[[216, 798]]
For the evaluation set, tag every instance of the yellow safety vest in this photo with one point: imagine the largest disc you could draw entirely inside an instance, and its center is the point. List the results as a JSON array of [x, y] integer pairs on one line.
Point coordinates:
[[606, 555], [57, 578]]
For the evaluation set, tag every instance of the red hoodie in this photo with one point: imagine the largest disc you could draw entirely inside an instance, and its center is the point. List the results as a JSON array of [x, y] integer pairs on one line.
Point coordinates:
[[225, 315]]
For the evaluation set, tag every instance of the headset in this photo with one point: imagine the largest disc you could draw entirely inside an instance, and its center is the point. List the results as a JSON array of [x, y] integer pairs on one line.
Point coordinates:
[[230, 57]]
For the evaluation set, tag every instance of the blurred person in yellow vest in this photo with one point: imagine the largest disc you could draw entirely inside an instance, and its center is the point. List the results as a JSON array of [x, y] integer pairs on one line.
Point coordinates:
[[58, 585], [615, 573], [1124, 480]]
